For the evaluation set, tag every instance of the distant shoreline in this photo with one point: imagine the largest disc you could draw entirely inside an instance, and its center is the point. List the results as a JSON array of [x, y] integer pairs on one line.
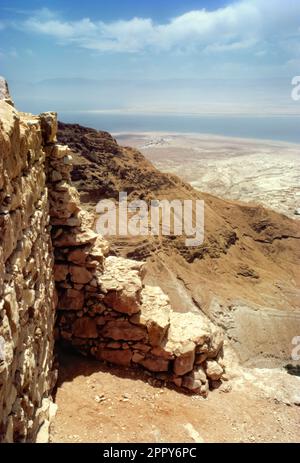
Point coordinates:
[[269, 128], [201, 136], [265, 172]]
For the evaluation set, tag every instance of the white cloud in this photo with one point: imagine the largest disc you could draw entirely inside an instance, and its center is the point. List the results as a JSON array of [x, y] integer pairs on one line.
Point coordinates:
[[240, 26]]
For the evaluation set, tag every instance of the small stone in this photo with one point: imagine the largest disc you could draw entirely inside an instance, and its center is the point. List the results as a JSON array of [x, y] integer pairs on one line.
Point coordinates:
[[119, 357], [123, 330], [60, 272], [80, 274], [55, 176], [155, 364], [137, 357], [85, 327], [177, 381], [213, 370], [184, 361], [71, 300]]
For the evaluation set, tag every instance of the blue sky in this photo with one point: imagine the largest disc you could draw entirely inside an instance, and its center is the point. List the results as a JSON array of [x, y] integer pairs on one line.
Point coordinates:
[[179, 56]]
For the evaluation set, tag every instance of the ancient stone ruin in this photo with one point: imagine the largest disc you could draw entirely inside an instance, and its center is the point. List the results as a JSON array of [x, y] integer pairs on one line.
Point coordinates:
[[57, 279]]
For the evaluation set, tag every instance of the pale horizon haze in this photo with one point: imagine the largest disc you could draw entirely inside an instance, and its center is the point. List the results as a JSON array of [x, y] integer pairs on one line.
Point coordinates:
[[192, 57]]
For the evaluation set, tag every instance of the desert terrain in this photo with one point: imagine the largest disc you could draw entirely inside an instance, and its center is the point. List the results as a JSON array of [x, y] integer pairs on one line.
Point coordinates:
[[265, 172], [98, 403]]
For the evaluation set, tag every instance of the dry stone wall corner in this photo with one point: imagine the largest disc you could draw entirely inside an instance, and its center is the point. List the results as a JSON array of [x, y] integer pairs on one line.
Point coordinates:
[[55, 269]]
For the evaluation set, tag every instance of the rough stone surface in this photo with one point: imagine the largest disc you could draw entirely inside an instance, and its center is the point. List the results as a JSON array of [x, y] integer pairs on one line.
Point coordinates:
[[50, 258], [214, 371], [27, 293], [4, 92]]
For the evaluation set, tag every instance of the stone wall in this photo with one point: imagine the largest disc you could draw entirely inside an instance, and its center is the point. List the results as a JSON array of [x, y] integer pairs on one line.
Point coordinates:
[[105, 310], [103, 307], [27, 292]]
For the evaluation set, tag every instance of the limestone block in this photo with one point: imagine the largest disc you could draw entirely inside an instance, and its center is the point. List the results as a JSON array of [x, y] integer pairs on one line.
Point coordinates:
[[155, 364], [85, 327], [72, 299], [60, 272], [155, 314], [121, 284], [118, 357], [49, 126], [123, 330], [185, 357], [213, 370], [196, 381], [186, 327], [80, 274], [75, 238]]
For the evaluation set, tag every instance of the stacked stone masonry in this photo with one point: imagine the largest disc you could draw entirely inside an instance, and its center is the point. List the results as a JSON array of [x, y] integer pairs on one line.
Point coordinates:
[[102, 307], [106, 311], [27, 291]]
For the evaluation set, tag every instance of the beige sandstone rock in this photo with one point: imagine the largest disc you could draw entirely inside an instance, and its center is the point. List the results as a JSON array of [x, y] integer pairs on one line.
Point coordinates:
[[213, 370], [4, 92], [75, 239], [121, 284], [185, 358], [119, 357], [155, 314], [123, 330], [49, 126]]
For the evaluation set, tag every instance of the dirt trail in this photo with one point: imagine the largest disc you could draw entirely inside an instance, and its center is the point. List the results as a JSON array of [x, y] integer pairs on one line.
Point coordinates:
[[106, 404]]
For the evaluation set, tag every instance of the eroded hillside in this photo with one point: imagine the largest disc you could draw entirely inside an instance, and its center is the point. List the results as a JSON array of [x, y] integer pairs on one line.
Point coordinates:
[[245, 276]]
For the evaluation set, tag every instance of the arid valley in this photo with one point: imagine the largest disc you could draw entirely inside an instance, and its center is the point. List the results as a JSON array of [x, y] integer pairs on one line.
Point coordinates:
[[265, 172]]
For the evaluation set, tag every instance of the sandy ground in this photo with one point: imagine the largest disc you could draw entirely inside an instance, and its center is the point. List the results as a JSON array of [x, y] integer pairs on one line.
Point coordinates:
[[265, 172], [97, 403]]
